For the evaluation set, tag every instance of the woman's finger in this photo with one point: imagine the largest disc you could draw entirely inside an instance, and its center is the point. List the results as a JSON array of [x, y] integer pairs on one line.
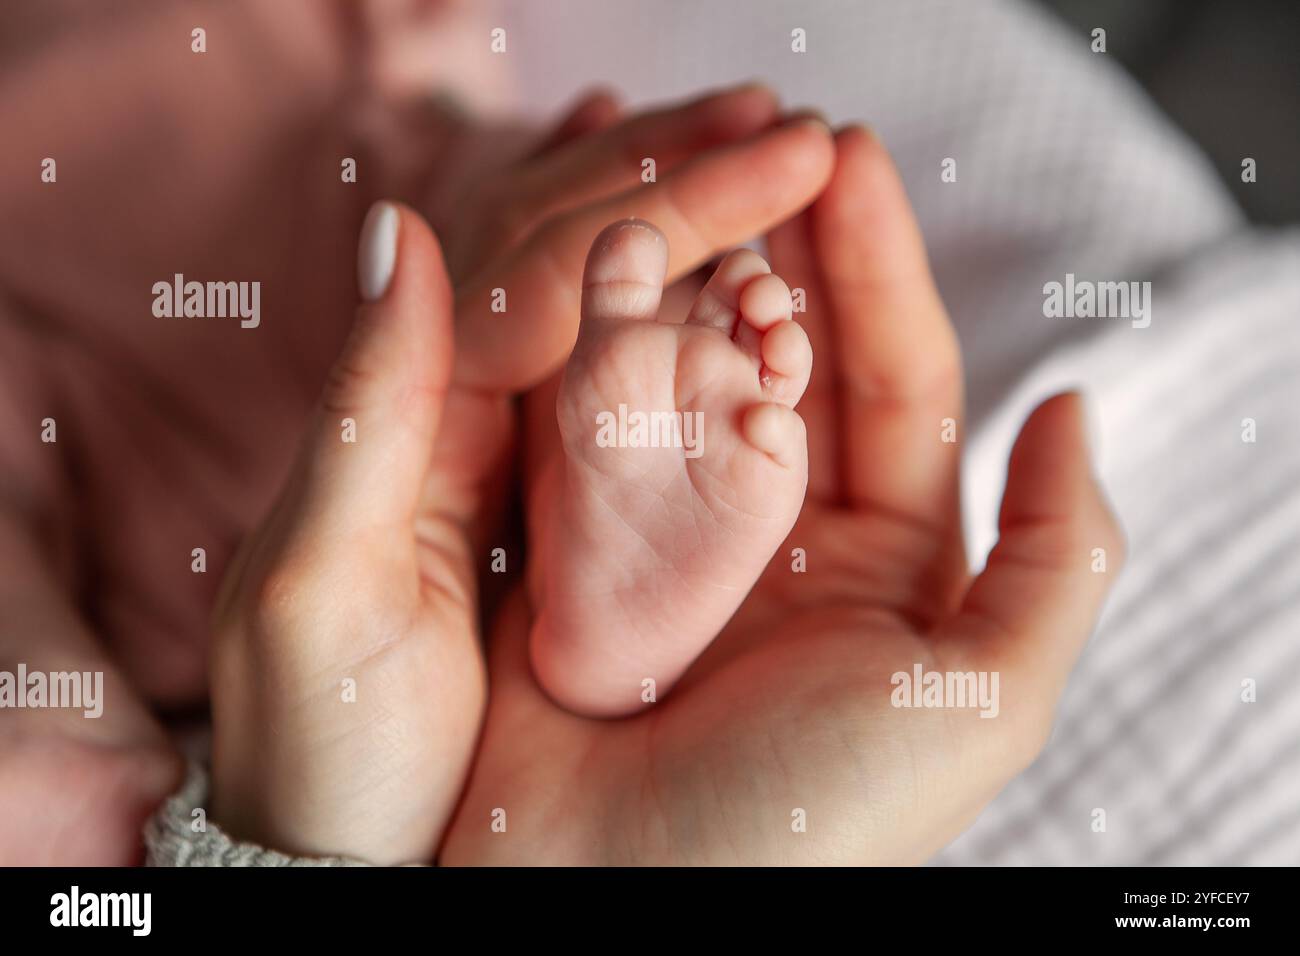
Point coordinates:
[[789, 246], [588, 168], [517, 321], [898, 360]]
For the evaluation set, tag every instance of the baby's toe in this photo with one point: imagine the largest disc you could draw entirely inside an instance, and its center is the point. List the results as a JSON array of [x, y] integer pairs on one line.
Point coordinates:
[[787, 362], [777, 431], [766, 301], [718, 304]]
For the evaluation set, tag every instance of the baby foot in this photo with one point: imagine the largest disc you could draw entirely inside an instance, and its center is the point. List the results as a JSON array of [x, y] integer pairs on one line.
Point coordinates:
[[684, 467]]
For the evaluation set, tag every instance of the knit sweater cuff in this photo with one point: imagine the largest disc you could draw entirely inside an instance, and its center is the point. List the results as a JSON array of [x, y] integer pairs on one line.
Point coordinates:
[[176, 836]]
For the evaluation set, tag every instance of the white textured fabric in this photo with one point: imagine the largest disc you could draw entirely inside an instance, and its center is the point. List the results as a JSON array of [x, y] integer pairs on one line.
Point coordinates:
[[1064, 167]]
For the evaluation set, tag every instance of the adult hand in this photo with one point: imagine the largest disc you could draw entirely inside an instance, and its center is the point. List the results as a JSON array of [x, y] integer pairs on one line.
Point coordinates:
[[790, 710], [346, 679]]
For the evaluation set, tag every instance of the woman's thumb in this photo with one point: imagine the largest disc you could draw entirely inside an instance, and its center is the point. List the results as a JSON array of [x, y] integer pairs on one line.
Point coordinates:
[[1058, 551], [368, 446]]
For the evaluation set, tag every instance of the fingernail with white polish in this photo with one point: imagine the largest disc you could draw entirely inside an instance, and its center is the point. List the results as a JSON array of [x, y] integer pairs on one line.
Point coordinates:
[[377, 252]]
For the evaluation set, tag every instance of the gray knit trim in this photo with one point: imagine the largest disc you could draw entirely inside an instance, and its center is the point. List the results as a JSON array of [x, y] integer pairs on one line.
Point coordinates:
[[170, 838]]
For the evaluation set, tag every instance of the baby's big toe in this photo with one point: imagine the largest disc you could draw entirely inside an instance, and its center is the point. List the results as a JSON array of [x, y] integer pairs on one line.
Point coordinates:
[[624, 276]]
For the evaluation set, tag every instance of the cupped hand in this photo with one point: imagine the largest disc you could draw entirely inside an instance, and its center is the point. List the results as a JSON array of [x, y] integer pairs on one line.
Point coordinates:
[[346, 676], [783, 743]]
